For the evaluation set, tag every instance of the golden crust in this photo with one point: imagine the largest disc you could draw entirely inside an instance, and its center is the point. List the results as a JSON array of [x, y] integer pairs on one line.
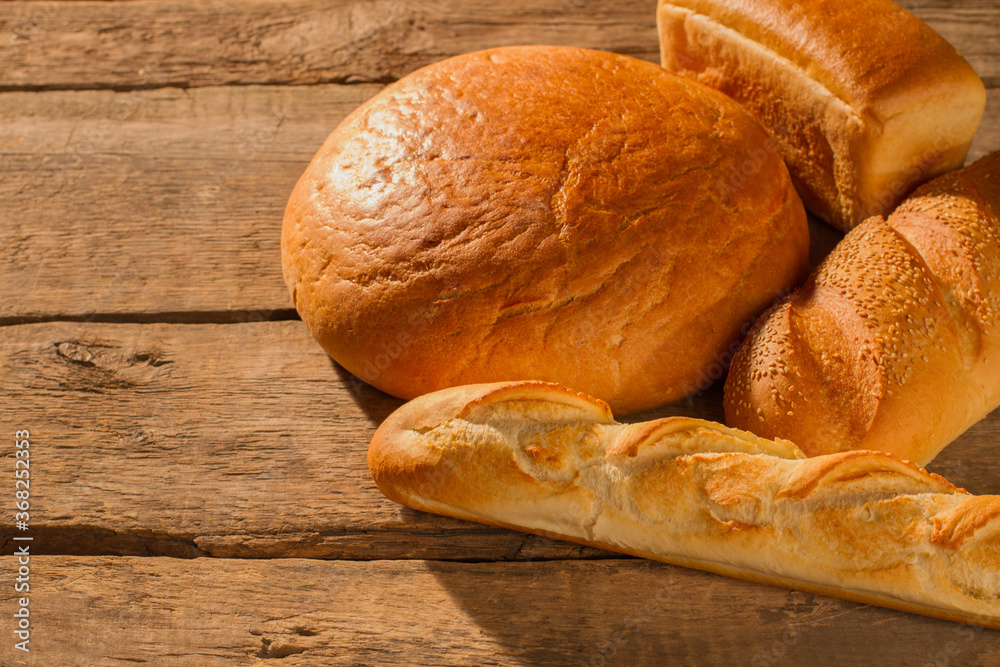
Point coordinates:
[[542, 213], [846, 470], [863, 526], [867, 52], [864, 99], [525, 393], [902, 313], [965, 521]]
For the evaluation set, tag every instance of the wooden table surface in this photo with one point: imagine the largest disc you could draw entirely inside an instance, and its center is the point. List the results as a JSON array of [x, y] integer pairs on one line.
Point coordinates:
[[199, 493]]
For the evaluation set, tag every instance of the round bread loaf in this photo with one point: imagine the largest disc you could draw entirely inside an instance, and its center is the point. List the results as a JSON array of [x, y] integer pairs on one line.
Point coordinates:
[[542, 213]]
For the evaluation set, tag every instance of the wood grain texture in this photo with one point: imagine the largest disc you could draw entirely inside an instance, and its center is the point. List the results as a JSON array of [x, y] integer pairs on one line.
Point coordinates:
[[122, 611], [169, 201], [159, 201], [246, 440], [190, 43], [143, 177], [227, 440]]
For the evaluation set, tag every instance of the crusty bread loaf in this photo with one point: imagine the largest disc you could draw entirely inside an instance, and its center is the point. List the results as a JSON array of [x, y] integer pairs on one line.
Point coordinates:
[[894, 343], [542, 213], [862, 526], [864, 99]]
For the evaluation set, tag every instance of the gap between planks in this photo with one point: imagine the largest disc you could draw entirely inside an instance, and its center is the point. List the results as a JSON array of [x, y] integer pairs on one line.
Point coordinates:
[[181, 317]]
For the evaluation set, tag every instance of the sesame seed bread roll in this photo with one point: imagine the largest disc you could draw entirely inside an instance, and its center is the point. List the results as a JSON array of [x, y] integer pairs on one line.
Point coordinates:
[[864, 100], [894, 342], [541, 458]]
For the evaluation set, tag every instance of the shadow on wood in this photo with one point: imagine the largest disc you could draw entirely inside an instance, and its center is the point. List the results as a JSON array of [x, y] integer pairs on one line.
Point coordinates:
[[376, 404], [638, 612]]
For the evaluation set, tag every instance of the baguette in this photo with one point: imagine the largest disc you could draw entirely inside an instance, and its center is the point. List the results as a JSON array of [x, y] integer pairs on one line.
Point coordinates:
[[864, 100], [894, 342], [540, 458]]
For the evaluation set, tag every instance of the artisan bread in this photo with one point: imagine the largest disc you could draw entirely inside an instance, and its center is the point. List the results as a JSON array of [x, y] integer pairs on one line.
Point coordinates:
[[542, 213], [540, 458], [864, 99], [894, 343]]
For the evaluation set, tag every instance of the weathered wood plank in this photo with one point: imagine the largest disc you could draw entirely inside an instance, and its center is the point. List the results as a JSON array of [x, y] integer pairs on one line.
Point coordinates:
[[190, 43], [167, 201], [122, 611], [246, 440], [228, 440], [159, 201]]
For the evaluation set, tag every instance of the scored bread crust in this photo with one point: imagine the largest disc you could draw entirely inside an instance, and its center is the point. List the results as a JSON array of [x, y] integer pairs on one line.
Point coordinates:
[[540, 458], [863, 98], [542, 213], [894, 342]]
